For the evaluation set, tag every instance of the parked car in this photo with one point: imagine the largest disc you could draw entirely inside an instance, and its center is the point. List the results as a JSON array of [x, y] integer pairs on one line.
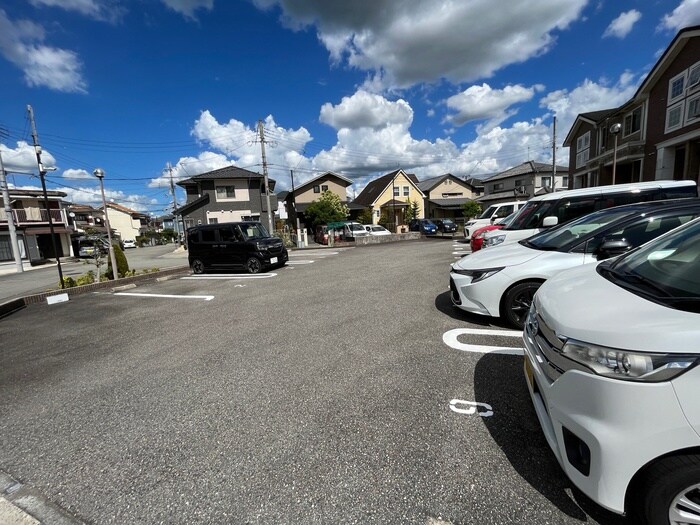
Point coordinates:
[[501, 281], [545, 211], [425, 226], [611, 355], [234, 245], [129, 243], [347, 230], [446, 225], [477, 240], [376, 229], [491, 215], [321, 234], [87, 247]]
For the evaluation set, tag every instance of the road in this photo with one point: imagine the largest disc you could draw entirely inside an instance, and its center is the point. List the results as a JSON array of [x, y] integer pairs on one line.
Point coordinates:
[[42, 278], [323, 392]]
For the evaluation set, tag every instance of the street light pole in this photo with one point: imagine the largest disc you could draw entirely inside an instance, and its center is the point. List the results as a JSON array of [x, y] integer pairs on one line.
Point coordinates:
[[100, 174], [615, 130]]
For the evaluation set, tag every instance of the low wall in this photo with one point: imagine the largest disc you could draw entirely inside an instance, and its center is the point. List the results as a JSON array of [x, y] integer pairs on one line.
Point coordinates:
[[381, 239]]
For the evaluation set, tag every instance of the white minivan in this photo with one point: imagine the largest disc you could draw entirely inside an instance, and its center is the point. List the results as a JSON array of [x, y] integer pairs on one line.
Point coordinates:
[[611, 363], [493, 213], [544, 211]]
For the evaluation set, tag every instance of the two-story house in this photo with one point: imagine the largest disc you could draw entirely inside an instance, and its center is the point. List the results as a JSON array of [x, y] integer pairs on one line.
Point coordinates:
[[296, 201], [126, 223], [225, 195], [653, 136], [391, 195], [445, 195], [31, 219], [522, 182]]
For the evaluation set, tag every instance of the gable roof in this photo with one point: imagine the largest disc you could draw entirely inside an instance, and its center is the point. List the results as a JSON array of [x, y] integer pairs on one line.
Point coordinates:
[[527, 168], [592, 117], [375, 188], [428, 184], [195, 204], [672, 51], [229, 172], [124, 209], [323, 175]]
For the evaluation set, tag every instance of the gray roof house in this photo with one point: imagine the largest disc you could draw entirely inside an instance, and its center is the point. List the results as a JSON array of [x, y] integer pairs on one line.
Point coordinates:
[[523, 182]]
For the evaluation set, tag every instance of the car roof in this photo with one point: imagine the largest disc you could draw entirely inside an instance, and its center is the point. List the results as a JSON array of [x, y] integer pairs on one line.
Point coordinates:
[[662, 205], [613, 188]]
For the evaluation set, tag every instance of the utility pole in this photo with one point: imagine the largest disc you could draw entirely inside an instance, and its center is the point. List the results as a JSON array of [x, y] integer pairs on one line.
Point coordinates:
[[300, 242], [172, 190], [10, 216], [554, 154], [261, 131], [42, 176]]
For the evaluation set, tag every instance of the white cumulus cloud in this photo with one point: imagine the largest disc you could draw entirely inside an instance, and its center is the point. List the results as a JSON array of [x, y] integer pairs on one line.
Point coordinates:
[[685, 15], [105, 10], [22, 158], [77, 174], [623, 24], [21, 43], [189, 7], [366, 110]]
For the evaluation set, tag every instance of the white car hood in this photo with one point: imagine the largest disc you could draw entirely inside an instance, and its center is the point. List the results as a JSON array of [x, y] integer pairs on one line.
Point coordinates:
[[581, 304], [498, 256]]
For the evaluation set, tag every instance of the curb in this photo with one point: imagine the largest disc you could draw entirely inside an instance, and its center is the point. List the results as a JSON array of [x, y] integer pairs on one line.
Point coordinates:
[[20, 505], [15, 305]]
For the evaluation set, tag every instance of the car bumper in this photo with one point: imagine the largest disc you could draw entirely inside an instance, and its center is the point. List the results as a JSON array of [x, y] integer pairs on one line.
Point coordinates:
[[602, 430], [483, 297]]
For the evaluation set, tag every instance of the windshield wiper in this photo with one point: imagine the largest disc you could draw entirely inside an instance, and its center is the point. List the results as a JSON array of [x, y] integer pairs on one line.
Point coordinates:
[[628, 278]]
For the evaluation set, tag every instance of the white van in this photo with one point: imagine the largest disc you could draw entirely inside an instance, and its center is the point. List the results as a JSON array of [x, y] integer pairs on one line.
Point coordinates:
[[555, 208], [492, 214], [611, 362]]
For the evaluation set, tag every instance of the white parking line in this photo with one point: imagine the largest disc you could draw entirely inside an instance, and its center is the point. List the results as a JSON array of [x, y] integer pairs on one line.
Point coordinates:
[[300, 262], [315, 253], [229, 276], [165, 296], [450, 338]]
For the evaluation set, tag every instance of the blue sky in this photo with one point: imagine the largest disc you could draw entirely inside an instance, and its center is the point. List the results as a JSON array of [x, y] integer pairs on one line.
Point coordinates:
[[360, 88]]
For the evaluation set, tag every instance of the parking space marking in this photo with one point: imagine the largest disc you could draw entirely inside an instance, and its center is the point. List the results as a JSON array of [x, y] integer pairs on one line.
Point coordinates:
[[450, 338], [309, 261], [166, 296], [472, 407], [229, 276], [316, 253]]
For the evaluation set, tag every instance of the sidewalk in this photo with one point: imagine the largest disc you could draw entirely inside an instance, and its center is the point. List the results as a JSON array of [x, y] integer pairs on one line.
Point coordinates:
[[10, 268], [20, 505]]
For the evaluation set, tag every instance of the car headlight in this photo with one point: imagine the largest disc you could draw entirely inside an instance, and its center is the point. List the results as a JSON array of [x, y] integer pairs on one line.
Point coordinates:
[[623, 364], [496, 239], [262, 247], [477, 275], [481, 235]]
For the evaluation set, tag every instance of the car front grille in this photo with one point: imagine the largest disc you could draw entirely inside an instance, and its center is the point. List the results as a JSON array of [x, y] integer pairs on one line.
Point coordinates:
[[454, 293], [548, 346]]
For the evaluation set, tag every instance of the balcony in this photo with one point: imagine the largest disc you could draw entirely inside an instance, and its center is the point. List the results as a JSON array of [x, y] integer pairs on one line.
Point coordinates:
[[34, 216]]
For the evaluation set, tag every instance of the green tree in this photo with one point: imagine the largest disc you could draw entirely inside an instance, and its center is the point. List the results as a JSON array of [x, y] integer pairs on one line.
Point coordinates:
[[365, 217], [471, 209], [412, 211], [387, 220], [122, 263], [328, 208]]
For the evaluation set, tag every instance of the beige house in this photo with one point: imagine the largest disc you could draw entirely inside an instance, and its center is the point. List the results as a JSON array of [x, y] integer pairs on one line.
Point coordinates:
[[298, 200], [445, 195], [392, 195], [125, 222]]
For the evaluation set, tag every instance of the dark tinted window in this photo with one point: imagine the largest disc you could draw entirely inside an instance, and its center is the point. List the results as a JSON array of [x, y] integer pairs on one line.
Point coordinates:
[[226, 235], [208, 236]]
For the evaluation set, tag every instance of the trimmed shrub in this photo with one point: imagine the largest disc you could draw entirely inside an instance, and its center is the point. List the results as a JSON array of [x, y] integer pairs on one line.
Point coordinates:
[[122, 264]]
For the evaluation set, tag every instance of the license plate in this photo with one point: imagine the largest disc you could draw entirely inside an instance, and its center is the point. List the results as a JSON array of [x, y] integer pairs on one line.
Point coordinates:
[[273, 260], [529, 373]]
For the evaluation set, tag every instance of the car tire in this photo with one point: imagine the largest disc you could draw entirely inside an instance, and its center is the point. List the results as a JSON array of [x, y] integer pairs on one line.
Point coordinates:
[[197, 266], [517, 301], [670, 487], [253, 265]]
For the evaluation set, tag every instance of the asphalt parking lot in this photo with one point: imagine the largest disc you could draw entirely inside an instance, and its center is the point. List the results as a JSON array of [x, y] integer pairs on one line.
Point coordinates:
[[342, 388]]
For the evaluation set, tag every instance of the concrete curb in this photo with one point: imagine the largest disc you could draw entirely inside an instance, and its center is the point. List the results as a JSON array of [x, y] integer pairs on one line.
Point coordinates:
[[14, 305], [20, 505]]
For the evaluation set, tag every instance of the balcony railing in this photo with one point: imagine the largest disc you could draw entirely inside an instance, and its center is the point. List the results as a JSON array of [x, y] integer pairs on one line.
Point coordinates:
[[34, 216]]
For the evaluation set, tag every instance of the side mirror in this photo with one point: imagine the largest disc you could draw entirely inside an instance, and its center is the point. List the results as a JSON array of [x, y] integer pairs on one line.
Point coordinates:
[[550, 221], [612, 248]]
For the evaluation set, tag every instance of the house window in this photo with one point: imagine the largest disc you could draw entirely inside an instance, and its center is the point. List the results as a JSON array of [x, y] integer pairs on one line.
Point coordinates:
[[519, 182], [693, 109], [676, 87], [546, 182], [213, 220], [674, 117], [498, 186], [565, 181], [694, 76], [324, 187], [582, 158], [225, 192], [584, 141], [317, 189], [633, 122], [406, 191], [396, 191]]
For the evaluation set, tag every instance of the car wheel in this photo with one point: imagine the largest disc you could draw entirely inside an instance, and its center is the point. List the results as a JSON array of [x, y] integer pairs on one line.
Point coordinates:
[[670, 492], [517, 301], [198, 266], [253, 265]]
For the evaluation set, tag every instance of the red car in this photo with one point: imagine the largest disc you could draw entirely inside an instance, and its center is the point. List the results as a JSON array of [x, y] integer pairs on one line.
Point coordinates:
[[477, 240]]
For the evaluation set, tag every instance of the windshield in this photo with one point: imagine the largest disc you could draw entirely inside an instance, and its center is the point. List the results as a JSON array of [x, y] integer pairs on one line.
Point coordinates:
[[447, 221], [254, 231], [378, 228], [356, 227], [666, 270], [530, 215], [573, 231], [489, 211], [505, 222]]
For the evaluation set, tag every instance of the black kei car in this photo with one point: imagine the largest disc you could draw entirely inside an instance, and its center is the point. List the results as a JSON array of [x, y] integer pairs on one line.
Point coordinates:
[[446, 225], [234, 246]]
